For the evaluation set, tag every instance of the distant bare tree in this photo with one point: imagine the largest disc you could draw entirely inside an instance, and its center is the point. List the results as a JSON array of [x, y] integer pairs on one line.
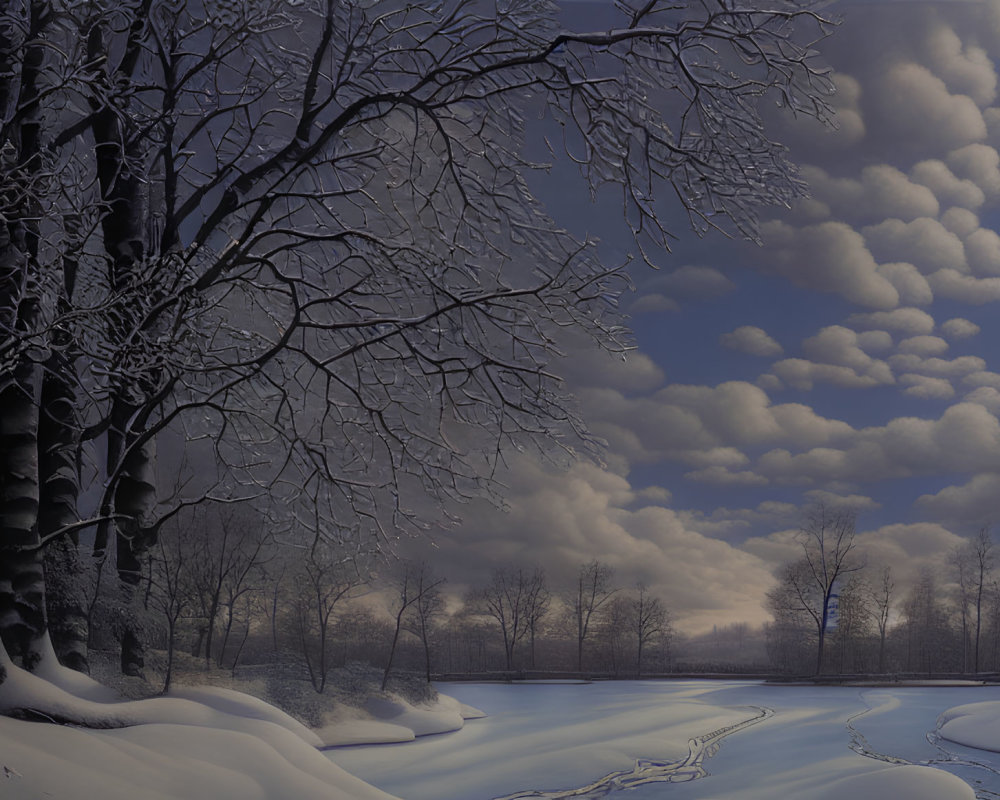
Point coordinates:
[[880, 606], [807, 585], [417, 597], [649, 621], [592, 590], [507, 599], [321, 581]]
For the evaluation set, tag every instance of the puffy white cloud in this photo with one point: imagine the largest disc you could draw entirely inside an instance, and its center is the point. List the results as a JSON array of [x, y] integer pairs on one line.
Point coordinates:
[[560, 520], [926, 387], [980, 164], [667, 292], [587, 365], [968, 289], [829, 257], [960, 221], [959, 328], [924, 242], [834, 356], [924, 345], [986, 396], [908, 548], [939, 367], [982, 378], [695, 283], [834, 501], [911, 321], [913, 288], [752, 340], [948, 188], [882, 191], [723, 476], [703, 425], [965, 68], [916, 107], [975, 502], [800, 373], [876, 341], [982, 251], [966, 438]]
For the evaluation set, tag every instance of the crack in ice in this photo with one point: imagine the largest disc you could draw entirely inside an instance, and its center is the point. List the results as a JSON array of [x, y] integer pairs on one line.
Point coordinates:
[[649, 770]]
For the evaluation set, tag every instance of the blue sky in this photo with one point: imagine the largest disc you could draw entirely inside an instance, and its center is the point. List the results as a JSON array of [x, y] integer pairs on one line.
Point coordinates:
[[850, 359]]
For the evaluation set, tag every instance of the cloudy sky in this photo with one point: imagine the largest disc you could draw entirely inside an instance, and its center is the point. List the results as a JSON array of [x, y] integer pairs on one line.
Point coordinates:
[[850, 359]]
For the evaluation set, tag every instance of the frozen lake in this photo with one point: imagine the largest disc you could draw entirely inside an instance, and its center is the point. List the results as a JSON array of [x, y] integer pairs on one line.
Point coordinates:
[[692, 739]]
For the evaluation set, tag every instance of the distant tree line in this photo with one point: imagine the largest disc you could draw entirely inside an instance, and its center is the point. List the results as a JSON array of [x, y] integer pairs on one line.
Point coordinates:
[[221, 587], [835, 613]]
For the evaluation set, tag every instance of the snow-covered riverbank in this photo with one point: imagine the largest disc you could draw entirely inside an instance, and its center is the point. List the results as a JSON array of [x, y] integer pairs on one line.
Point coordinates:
[[822, 742]]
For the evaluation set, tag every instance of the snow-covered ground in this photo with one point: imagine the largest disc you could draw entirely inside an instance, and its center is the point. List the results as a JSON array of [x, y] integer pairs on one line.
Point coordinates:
[[693, 740], [820, 743]]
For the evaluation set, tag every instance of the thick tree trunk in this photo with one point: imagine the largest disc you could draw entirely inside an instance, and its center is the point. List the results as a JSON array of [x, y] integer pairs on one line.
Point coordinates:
[[59, 490]]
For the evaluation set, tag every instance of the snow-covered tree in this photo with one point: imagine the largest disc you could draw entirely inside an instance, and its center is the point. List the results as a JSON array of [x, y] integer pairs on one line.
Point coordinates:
[[296, 242]]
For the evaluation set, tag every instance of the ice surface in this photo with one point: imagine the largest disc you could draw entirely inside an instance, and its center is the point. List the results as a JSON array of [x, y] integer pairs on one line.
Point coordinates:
[[822, 743]]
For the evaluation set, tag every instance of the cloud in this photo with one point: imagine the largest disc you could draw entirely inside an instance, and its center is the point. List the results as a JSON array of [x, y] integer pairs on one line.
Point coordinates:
[[913, 288], [966, 438], [959, 328], [982, 251], [828, 257], [986, 396], [588, 365], [973, 503], [911, 321], [882, 191], [948, 188], [965, 68], [923, 345], [980, 164], [907, 549], [751, 340], [704, 426], [924, 242], [834, 356], [723, 476], [696, 283], [927, 388], [939, 367], [956, 285], [560, 520], [916, 108], [960, 221]]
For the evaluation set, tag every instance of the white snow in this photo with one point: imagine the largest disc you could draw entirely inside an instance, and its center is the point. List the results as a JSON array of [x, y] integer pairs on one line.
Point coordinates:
[[209, 743], [552, 740], [388, 720], [973, 724]]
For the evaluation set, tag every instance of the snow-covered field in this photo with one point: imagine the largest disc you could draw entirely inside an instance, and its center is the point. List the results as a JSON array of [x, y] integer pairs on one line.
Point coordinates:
[[699, 740], [820, 743]]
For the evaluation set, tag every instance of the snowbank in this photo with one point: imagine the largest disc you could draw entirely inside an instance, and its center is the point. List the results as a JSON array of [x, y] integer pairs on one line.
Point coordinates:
[[973, 724], [392, 719], [199, 743], [910, 781]]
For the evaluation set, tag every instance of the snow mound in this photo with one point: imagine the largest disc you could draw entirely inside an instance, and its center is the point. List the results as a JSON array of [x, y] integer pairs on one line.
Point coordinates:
[[973, 725], [213, 743], [911, 781], [442, 717], [391, 720]]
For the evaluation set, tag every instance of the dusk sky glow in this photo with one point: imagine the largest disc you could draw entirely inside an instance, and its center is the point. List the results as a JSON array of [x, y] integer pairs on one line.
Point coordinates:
[[850, 359]]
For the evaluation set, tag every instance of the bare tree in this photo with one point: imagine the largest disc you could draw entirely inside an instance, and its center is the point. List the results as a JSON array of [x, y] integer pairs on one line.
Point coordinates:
[[300, 237], [880, 606], [649, 621], [507, 598], [807, 585], [536, 606], [417, 596], [592, 590], [322, 580]]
